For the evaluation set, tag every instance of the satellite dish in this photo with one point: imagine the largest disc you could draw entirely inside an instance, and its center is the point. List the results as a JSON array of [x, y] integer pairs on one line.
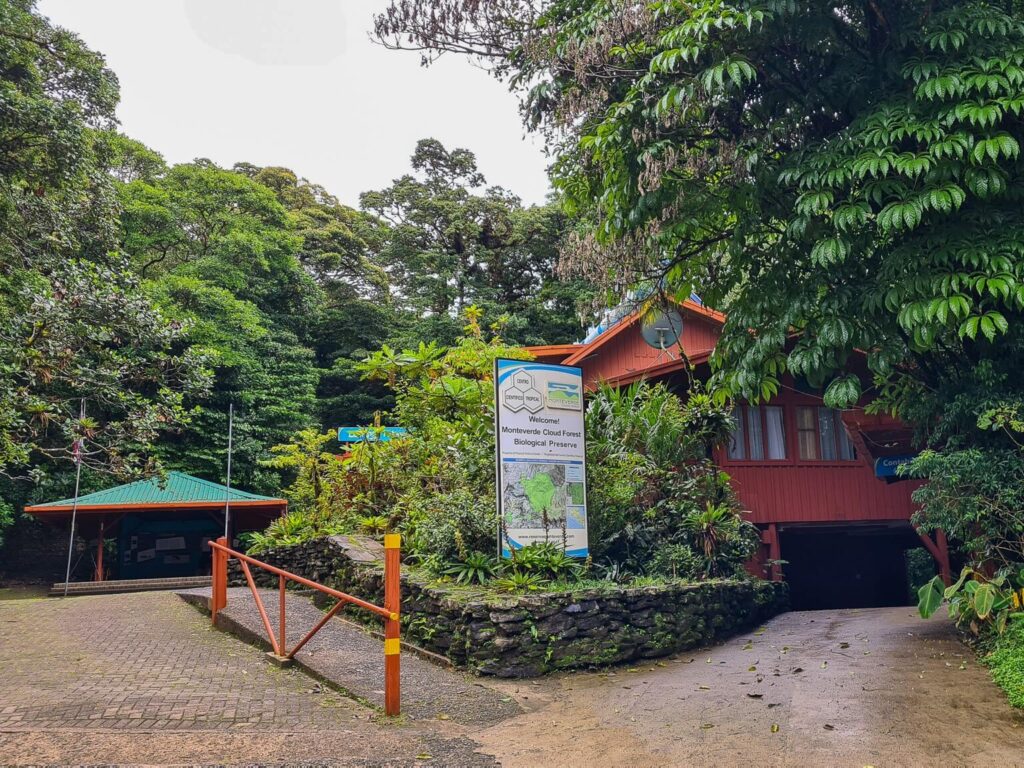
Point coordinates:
[[662, 329]]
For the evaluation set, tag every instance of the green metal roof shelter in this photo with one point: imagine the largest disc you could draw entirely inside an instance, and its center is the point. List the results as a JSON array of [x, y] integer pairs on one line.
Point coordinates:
[[163, 523], [178, 491]]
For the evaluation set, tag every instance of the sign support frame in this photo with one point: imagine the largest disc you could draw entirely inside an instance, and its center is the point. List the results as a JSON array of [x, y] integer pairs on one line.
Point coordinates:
[[500, 522]]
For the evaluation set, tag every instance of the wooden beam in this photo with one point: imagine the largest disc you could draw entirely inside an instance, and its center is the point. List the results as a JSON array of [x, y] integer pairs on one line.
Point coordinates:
[[939, 549], [99, 551], [774, 552]]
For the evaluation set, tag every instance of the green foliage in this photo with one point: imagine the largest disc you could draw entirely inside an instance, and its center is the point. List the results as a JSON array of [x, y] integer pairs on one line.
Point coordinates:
[[73, 323], [546, 560], [476, 567], [976, 497], [890, 198], [521, 581], [319, 488], [448, 242], [6, 519], [976, 602], [656, 502], [1006, 660], [296, 527], [920, 567], [375, 525]]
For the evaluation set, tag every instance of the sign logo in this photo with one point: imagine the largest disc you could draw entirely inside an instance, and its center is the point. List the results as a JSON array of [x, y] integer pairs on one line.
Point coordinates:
[[522, 394], [565, 396]]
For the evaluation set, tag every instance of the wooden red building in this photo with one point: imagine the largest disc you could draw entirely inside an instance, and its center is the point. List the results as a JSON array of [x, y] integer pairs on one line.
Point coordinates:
[[817, 482]]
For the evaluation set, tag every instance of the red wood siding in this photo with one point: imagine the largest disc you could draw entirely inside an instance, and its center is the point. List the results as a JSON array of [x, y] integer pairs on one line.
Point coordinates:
[[628, 353], [786, 491], [798, 493], [794, 490]]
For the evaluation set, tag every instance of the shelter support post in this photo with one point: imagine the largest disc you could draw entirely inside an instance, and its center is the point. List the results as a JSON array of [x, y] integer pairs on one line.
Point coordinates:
[[392, 641], [99, 549]]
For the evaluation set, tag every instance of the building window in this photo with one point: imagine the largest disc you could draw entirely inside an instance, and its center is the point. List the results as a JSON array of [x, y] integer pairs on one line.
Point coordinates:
[[758, 434], [821, 435]]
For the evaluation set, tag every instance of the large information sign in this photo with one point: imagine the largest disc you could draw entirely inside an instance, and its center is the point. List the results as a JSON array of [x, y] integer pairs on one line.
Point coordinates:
[[541, 455]]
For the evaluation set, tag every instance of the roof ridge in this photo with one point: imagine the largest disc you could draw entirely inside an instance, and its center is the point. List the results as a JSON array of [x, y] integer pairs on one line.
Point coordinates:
[[212, 484]]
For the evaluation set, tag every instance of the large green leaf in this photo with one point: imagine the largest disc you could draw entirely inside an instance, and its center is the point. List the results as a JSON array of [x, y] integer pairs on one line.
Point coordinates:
[[984, 599], [929, 597]]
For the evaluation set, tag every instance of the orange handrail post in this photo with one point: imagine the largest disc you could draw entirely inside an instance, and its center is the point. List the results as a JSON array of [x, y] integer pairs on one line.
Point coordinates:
[[392, 643], [219, 580], [282, 643]]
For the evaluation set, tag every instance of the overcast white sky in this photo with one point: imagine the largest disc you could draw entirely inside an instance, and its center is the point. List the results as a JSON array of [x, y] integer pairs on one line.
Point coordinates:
[[297, 83]]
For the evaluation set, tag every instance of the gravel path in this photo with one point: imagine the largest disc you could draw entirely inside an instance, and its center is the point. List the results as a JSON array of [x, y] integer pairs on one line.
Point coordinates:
[[350, 658]]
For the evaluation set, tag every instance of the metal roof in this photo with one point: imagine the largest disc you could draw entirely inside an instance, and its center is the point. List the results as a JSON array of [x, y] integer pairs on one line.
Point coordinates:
[[176, 488]]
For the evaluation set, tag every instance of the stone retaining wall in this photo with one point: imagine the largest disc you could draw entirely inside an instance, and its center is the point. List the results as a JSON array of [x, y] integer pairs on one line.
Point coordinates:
[[526, 636]]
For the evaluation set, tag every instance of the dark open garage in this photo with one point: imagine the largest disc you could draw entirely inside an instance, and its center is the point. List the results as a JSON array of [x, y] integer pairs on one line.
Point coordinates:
[[847, 566]]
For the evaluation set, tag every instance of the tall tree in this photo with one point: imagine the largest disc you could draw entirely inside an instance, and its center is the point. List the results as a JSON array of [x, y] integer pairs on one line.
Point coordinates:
[[451, 242], [354, 313], [73, 321], [847, 170], [223, 254]]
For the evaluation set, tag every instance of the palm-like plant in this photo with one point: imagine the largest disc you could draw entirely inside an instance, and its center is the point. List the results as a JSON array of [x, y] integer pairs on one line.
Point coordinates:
[[476, 567]]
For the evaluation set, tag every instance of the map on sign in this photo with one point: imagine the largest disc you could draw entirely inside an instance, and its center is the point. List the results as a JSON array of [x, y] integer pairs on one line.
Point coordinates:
[[536, 494], [541, 455]]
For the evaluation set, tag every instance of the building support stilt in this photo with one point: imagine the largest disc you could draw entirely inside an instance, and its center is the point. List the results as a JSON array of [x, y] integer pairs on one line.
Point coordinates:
[[939, 549]]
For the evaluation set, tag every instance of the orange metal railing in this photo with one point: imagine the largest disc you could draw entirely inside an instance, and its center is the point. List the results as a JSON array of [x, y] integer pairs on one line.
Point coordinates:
[[390, 611]]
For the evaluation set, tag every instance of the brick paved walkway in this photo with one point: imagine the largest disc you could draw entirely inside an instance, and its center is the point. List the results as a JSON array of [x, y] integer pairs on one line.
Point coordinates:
[[149, 664], [352, 659]]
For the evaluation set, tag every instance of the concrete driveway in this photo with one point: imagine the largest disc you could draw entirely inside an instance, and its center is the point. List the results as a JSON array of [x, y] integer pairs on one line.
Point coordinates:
[[875, 687]]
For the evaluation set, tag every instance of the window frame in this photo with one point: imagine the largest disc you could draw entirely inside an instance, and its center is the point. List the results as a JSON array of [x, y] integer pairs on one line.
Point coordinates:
[[791, 437], [837, 421], [745, 431]]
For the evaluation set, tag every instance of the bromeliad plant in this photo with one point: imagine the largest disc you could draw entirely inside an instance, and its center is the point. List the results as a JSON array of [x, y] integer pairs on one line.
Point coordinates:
[[476, 567]]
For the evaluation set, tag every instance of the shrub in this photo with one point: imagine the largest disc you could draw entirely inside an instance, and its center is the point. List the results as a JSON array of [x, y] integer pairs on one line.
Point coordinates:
[[293, 528], [981, 603], [1006, 660], [975, 496], [656, 504]]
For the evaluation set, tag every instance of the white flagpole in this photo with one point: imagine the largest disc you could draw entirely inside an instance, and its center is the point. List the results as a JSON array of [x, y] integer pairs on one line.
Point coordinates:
[[227, 494], [77, 452]]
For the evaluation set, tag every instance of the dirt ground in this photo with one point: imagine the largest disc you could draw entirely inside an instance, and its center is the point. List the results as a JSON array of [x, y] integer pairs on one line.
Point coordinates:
[[143, 679], [871, 687]]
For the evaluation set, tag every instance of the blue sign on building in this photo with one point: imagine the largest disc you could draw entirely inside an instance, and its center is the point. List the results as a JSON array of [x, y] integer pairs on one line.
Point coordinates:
[[888, 466], [369, 434]]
